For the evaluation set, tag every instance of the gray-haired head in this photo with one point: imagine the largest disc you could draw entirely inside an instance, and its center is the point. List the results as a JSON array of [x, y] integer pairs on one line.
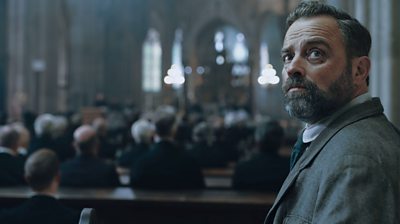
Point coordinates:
[[44, 125], [86, 142], [59, 126], [142, 131], [202, 132], [165, 121]]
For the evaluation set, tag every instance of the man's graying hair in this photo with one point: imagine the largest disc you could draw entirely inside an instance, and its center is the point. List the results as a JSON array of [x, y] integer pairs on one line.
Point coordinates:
[[357, 38]]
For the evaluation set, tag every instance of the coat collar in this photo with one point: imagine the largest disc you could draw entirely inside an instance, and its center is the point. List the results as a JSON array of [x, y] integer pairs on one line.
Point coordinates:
[[312, 131], [7, 151], [356, 113]]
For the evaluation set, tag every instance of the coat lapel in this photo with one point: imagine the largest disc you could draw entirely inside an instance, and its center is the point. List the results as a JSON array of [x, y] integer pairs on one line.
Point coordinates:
[[354, 114]]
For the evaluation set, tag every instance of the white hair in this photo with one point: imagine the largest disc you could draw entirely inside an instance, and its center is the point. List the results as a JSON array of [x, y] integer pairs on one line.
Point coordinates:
[[83, 133], [44, 124], [235, 117], [60, 125], [142, 131]]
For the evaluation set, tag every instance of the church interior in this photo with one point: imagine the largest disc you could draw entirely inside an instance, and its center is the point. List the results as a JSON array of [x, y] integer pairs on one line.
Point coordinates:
[[110, 63]]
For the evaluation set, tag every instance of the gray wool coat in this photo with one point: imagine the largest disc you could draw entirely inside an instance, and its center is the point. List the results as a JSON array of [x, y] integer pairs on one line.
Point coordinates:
[[349, 174]]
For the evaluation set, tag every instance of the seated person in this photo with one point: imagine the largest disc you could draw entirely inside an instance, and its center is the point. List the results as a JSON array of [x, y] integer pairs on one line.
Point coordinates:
[[166, 166], [86, 169], [265, 170], [142, 132], [107, 148], [42, 137], [51, 133], [203, 150], [42, 175], [23, 139], [11, 164]]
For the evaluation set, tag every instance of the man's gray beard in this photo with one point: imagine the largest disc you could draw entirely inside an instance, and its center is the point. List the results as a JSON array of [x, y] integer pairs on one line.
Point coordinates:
[[313, 104]]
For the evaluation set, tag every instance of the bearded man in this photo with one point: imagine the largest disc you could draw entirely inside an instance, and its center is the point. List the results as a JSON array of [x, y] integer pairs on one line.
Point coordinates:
[[345, 164]]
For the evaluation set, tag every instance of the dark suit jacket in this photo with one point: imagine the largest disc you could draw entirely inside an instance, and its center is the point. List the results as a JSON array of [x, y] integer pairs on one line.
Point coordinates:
[[11, 170], [349, 174], [39, 142], [207, 156], [61, 146], [264, 172], [129, 158], [166, 167], [40, 209], [88, 172]]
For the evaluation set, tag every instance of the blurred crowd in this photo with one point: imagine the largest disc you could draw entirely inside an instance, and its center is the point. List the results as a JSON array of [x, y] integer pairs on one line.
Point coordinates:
[[166, 145]]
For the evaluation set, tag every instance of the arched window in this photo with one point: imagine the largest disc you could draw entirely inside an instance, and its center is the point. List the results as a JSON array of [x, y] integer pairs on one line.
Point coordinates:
[[268, 73], [264, 55], [151, 76], [175, 75], [231, 47]]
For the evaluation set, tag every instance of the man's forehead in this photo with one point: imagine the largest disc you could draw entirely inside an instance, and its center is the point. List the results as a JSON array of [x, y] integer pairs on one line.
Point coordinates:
[[324, 27]]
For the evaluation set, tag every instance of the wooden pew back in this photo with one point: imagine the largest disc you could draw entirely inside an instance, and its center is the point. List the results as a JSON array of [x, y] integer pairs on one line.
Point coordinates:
[[125, 205]]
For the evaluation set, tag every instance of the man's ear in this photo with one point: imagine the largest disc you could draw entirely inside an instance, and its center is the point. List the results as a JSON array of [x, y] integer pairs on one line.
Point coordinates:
[[361, 67]]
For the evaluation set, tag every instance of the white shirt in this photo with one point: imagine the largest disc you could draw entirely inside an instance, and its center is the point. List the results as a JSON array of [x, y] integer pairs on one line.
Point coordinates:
[[312, 131]]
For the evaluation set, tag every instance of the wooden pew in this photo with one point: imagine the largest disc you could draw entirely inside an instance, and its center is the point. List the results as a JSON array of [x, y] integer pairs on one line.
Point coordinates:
[[215, 178], [125, 205], [218, 178]]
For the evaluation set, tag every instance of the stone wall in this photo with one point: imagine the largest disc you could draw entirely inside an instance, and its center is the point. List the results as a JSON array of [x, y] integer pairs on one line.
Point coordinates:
[[61, 53], [3, 55]]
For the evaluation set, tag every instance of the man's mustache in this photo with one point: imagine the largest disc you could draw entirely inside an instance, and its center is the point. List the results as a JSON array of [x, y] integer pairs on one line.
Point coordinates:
[[296, 82]]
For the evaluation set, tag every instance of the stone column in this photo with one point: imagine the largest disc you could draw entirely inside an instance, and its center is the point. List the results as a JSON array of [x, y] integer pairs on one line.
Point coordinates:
[[16, 51], [361, 11], [62, 56], [384, 23], [39, 53], [3, 55], [395, 57], [268, 99]]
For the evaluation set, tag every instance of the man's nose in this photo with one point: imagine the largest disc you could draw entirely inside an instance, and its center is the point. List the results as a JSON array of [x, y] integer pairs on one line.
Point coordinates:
[[295, 67]]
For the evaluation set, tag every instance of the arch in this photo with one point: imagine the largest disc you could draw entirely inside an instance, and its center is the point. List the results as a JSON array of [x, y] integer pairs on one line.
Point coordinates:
[[213, 17], [219, 83], [204, 42], [272, 32], [151, 54]]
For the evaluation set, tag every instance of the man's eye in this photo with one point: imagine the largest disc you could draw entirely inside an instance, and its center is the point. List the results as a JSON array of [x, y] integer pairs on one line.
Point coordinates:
[[287, 58], [315, 54]]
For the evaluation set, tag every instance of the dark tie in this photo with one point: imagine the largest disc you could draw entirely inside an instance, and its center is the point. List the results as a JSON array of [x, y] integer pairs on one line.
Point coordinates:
[[298, 150]]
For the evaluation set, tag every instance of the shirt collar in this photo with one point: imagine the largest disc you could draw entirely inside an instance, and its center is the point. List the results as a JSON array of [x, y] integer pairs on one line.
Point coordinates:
[[7, 150], [312, 131]]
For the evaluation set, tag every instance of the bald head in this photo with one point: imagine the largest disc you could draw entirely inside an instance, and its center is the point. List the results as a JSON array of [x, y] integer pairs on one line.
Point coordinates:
[[85, 138], [83, 133]]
